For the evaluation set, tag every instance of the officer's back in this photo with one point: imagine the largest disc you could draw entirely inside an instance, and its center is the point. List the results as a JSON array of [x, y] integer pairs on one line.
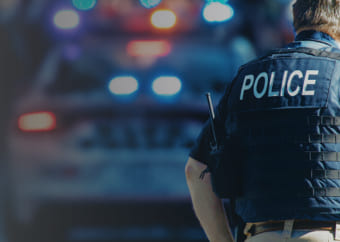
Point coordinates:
[[283, 111]]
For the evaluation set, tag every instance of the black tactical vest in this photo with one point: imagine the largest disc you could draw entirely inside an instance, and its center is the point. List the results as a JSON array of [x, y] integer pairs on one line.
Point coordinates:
[[284, 115]]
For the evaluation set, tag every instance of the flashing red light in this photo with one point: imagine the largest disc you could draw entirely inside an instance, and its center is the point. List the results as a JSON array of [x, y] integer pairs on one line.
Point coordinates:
[[37, 122], [148, 48]]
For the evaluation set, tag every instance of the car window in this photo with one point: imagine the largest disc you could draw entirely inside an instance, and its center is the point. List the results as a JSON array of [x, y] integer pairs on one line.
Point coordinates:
[[83, 74]]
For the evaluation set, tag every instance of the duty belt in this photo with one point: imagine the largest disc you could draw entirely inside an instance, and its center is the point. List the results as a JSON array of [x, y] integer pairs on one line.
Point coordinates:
[[257, 228]]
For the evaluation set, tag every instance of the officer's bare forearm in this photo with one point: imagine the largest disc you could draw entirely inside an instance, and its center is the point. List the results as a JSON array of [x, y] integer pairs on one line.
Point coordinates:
[[208, 207]]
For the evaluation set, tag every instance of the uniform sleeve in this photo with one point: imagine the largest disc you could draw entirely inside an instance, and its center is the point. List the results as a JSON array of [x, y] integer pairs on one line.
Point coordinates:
[[201, 149]]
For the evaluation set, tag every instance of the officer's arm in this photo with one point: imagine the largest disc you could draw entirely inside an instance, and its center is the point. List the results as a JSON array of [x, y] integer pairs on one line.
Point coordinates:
[[208, 207]]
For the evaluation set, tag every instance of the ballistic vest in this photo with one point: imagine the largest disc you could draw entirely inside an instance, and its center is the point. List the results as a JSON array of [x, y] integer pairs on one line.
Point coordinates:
[[285, 110]]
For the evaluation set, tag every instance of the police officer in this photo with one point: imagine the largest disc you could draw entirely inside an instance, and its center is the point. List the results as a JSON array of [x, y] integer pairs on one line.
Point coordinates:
[[279, 124]]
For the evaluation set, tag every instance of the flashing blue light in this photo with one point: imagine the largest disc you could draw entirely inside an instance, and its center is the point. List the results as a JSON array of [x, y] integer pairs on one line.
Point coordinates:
[[217, 12], [167, 85], [84, 4], [123, 85], [66, 19], [149, 3]]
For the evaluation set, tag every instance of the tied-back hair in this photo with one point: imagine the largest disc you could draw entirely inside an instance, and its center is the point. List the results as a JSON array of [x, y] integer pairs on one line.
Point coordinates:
[[320, 15]]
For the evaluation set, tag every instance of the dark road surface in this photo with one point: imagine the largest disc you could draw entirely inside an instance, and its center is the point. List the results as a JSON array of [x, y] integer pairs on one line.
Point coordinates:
[[119, 221]]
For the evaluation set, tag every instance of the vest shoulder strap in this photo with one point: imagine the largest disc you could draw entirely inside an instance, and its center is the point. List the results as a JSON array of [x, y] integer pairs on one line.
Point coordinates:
[[331, 53], [309, 51]]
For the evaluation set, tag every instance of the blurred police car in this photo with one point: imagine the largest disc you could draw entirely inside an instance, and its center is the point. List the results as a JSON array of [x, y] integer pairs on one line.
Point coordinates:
[[107, 120]]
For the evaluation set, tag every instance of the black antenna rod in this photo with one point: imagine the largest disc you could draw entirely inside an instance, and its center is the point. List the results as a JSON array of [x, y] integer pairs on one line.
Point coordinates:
[[212, 117]]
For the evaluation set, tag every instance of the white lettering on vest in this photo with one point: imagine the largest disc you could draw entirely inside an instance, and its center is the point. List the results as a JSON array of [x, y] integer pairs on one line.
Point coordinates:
[[307, 82], [245, 85], [271, 83], [305, 87], [263, 76], [284, 81], [289, 90]]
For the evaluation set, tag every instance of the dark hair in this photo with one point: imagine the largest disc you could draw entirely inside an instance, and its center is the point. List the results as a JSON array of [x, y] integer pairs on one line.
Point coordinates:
[[321, 15]]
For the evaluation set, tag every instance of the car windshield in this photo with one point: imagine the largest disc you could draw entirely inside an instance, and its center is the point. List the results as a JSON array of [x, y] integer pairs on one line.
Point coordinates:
[[85, 73]]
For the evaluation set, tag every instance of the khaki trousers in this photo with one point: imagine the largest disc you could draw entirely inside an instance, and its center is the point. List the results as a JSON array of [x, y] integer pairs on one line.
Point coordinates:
[[288, 234], [296, 236]]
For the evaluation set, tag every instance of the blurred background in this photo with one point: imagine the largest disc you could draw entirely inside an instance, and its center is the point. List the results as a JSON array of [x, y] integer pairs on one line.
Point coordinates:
[[101, 101]]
